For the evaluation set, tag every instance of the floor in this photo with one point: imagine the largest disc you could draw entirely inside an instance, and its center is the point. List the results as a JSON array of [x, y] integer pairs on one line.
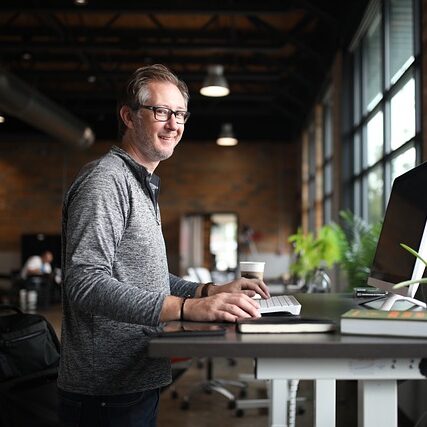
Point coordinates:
[[209, 410], [213, 409]]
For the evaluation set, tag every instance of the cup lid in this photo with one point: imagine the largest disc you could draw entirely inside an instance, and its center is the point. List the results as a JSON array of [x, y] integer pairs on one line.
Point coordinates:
[[254, 266]]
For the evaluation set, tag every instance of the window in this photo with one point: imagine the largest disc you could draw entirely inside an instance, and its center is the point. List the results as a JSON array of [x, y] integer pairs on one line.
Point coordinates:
[[309, 180], [402, 115], [327, 159], [374, 139], [371, 62], [317, 176], [384, 138]]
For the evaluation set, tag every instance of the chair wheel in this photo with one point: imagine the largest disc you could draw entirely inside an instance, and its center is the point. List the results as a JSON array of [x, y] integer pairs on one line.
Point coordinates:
[[232, 404], [239, 413], [174, 394], [243, 393], [185, 405]]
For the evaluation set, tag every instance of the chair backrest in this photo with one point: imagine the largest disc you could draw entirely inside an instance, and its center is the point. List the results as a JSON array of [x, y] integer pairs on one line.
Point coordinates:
[[200, 274], [28, 343]]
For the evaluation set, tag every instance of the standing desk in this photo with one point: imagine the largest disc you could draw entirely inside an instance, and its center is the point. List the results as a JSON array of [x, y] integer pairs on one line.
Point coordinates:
[[375, 362]]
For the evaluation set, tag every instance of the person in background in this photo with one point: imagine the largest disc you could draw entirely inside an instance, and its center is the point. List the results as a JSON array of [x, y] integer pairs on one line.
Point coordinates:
[[38, 265], [117, 289], [36, 280]]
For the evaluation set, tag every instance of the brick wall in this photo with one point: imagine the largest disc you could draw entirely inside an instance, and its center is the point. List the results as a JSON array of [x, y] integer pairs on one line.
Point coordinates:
[[257, 181]]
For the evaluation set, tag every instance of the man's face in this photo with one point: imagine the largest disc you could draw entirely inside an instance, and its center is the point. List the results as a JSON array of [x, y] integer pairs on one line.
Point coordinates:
[[47, 257], [156, 140]]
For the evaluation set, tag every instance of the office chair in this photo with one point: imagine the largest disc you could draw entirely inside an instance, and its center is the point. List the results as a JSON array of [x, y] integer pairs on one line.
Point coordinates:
[[30, 400], [199, 274], [211, 384], [28, 391], [179, 366]]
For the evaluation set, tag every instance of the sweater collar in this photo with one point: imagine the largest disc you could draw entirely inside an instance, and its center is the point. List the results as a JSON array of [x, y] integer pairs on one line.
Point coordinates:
[[140, 172]]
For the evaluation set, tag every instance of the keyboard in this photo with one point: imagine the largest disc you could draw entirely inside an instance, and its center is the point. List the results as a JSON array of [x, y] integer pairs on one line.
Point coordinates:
[[280, 303]]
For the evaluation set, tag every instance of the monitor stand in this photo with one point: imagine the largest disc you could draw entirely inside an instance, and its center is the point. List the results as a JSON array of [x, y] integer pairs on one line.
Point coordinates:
[[393, 301], [398, 302]]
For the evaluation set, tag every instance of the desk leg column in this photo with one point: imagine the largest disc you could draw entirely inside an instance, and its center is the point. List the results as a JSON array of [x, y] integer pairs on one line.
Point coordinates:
[[377, 403], [278, 413], [325, 403]]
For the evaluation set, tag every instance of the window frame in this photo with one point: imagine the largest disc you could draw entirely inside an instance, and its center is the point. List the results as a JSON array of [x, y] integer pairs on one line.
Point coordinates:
[[355, 182]]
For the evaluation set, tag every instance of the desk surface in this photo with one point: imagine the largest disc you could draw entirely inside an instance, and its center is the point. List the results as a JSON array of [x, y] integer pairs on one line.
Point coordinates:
[[334, 345]]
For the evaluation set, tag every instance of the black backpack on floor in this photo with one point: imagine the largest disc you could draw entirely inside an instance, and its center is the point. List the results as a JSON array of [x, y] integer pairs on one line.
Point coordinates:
[[28, 343]]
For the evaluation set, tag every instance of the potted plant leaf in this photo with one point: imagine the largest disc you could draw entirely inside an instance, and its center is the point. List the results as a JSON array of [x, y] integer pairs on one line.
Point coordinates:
[[351, 245], [314, 252], [358, 242], [415, 281]]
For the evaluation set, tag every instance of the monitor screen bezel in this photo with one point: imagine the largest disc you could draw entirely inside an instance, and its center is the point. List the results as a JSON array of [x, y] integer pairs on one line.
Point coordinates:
[[418, 265]]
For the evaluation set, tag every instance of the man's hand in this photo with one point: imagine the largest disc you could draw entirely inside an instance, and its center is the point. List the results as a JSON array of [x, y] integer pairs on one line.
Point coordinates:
[[249, 287], [224, 303], [222, 307]]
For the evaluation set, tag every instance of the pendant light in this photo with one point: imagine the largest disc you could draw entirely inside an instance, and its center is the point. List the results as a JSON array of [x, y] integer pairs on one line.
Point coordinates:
[[215, 83], [226, 137]]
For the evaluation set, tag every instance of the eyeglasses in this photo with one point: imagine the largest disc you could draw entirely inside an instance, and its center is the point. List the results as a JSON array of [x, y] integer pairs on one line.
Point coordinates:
[[163, 114]]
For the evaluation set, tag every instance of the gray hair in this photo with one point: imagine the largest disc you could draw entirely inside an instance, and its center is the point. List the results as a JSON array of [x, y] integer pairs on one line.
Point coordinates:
[[135, 91]]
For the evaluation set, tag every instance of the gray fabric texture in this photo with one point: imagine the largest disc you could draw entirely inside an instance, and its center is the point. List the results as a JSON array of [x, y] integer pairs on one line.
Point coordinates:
[[116, 278]]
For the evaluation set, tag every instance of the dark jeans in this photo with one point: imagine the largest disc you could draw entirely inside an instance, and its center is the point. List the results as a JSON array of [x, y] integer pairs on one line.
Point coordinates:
[[124, 410]]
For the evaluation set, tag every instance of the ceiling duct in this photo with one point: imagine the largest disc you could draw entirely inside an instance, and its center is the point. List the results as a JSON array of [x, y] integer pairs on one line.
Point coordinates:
[[24, 102]]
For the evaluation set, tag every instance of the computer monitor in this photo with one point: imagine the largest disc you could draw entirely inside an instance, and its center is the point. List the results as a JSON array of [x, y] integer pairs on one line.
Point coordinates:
[[405, 221]]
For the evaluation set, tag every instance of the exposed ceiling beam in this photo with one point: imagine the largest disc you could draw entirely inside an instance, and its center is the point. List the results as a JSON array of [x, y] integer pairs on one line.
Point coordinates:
[[53, 59], [137, 47], [188, 7], [275, 54], [81, 74], [283, 39], [319, 13], [94, 35]]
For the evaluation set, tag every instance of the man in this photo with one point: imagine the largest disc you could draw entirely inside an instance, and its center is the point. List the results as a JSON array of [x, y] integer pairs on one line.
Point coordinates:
[[35, 288], [37, 265], [117, 289]]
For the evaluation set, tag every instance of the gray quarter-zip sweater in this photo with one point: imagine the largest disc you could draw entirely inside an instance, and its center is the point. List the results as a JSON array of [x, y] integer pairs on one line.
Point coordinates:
[[115, 279]]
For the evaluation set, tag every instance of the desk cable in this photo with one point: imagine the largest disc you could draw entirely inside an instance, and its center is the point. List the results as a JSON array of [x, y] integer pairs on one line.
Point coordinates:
[[293, 389]]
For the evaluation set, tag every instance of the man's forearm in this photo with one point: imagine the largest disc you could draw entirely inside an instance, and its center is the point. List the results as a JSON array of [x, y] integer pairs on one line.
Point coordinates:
[[171, 309], [172, 305]]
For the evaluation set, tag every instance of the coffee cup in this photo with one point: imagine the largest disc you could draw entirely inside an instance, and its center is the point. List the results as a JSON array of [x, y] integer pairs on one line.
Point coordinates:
[[252, 269]]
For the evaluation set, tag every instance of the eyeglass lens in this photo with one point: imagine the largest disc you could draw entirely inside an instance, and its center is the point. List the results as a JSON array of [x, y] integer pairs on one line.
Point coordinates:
[[163, 114]]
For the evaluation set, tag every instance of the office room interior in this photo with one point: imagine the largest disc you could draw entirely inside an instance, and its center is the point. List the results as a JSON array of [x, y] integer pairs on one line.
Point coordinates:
[[326, 107]]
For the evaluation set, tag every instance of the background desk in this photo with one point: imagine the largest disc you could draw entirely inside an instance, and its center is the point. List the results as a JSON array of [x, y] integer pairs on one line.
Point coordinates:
[[376, 362]]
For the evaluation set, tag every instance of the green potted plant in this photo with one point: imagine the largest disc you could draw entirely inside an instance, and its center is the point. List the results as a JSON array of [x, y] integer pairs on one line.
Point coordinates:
[[314, 252], [358, 241], [351, 245]]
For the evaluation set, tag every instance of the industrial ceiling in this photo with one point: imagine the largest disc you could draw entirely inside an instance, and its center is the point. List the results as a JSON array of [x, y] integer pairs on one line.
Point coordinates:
[[276, 56]]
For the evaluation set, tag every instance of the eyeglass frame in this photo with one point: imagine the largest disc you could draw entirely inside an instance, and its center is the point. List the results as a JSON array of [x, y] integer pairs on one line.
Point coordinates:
[[154, 109]]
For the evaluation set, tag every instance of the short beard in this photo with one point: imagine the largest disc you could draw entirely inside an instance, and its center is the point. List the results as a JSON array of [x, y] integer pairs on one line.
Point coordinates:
[[157, 155]]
